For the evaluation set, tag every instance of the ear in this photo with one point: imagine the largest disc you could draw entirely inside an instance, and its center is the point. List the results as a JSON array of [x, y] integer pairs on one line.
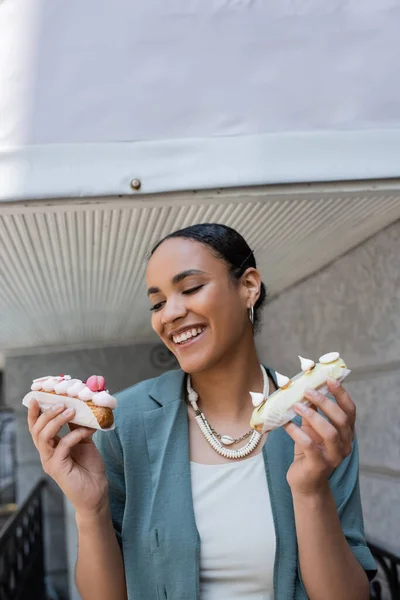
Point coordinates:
[[251, 286]]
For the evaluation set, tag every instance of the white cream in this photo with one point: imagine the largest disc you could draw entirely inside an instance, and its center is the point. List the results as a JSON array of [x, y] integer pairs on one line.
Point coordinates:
[[282, 380], [74, 390], [325, 359], [37, 385], [62, 387], [49, 384], [306, 363], [257, 398], [104, 399], [86, 394]]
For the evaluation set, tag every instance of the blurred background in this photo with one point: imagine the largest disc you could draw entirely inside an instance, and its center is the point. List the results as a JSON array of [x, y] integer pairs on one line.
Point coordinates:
[[122, 122]]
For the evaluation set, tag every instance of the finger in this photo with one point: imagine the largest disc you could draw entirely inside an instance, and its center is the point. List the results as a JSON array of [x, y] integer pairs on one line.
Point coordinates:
[[70, 440], [335, 414], [45, 438], [333, 411], [300, 437], [334, 445], [305, 426], [33, 413], [343, 399], [53, 427], [45, 418]]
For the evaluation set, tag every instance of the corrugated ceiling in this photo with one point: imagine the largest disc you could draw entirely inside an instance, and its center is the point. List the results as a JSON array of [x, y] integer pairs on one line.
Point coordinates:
[[72, 273]]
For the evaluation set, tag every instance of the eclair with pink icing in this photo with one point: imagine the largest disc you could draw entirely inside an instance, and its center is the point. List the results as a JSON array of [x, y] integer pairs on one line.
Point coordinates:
[[93, 404]]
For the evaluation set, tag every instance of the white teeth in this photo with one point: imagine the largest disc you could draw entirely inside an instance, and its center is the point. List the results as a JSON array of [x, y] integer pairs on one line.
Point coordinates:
[[187, 335]]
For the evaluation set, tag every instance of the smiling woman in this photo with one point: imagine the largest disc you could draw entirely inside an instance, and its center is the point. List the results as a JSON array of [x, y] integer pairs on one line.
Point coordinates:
[[201, 280], [183, 500]]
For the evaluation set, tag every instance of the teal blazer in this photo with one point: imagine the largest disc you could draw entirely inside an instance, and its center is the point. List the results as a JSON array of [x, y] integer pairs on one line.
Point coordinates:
[[148, 469]]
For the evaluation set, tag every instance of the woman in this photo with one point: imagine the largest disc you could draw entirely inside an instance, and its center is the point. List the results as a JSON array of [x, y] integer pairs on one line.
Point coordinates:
[[160, 512]]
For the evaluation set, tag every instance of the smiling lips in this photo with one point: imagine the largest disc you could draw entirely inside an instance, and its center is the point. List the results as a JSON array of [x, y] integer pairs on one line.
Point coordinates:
[[187, 335]]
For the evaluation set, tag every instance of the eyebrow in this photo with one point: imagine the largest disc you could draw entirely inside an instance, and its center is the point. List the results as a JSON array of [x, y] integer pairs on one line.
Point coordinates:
[[177, 279]]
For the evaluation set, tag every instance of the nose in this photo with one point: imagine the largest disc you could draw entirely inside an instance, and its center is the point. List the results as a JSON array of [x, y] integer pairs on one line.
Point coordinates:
[[174, 309]]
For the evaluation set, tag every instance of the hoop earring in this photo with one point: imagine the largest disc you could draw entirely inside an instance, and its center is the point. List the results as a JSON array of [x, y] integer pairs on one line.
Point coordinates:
[[251, 315]]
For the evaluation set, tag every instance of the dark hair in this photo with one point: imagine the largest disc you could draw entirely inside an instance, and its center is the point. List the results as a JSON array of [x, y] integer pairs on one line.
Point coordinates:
[[225, 243]]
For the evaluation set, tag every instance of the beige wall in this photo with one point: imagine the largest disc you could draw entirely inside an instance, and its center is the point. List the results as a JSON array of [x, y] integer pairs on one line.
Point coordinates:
[[353, 306]]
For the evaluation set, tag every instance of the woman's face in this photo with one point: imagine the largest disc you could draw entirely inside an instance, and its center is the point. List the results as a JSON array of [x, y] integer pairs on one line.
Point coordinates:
[[198, 311]]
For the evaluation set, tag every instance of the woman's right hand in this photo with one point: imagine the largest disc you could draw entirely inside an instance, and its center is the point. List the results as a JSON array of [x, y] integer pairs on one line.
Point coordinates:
[[73, 461]]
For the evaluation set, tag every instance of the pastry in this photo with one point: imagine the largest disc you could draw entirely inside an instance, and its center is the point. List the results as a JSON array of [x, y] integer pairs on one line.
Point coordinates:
[[93, 404], [277, 409]]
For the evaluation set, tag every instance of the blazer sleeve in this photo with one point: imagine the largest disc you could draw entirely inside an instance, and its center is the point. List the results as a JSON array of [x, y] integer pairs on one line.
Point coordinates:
[[345, 487], [109, 445]]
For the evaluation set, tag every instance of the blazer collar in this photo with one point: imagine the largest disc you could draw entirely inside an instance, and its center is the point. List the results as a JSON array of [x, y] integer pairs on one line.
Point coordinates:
[[168, 388]]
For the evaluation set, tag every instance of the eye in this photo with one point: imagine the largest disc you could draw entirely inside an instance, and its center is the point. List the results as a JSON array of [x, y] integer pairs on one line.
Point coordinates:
[[193, 290], [157, 306]]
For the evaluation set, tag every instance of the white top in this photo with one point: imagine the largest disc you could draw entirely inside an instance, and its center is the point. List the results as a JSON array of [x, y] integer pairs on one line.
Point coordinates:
[[234, 519]]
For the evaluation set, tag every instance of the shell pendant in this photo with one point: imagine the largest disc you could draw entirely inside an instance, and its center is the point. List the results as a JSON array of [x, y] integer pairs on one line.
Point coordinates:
[[227, 440]]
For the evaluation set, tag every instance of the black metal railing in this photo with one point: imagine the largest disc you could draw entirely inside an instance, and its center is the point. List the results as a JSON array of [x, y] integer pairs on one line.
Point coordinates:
[[7, 457], [21, 551], [386, 585]]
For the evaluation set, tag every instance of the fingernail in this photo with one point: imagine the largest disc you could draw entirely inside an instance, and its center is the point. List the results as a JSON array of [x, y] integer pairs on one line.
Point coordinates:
[[311, 392], [333, 382], [58, 407], [301, 407], [69, 412]]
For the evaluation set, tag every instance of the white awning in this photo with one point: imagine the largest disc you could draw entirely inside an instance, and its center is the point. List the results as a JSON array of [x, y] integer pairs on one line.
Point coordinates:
[[188, 94], [72, 274]]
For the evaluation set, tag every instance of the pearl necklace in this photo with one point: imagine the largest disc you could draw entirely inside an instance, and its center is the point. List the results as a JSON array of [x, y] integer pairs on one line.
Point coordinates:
[[211, 435]]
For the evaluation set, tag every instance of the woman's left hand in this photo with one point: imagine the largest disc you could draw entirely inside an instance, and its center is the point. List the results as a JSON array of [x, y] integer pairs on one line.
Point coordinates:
[[320, 445]]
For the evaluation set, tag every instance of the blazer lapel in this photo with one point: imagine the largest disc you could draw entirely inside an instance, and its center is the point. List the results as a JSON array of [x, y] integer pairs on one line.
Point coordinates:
[[174, 537]]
